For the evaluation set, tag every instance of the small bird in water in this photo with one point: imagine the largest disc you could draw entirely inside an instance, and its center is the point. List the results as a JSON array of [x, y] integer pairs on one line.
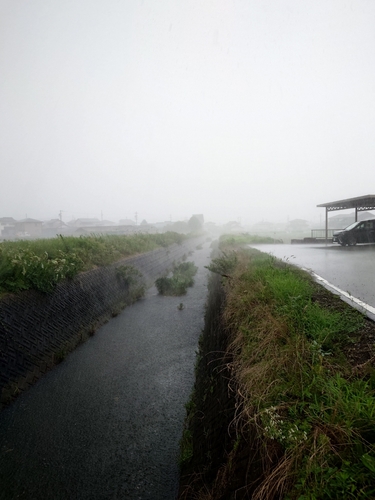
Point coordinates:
[[180, 306]]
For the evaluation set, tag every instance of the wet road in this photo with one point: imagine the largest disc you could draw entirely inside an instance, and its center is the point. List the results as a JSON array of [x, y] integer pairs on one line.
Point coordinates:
[[106, 423], [350, 268]]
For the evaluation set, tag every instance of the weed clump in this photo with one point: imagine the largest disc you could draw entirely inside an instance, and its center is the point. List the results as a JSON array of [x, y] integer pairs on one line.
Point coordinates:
[[181, 279]]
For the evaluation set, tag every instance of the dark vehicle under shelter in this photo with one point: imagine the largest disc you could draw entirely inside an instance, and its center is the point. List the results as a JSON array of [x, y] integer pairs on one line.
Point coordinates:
[[358, 232]]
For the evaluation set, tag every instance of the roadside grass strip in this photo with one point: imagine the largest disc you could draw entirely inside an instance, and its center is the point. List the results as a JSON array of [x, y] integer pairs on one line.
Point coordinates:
[[346, 296], [246, 238], [313, 411]]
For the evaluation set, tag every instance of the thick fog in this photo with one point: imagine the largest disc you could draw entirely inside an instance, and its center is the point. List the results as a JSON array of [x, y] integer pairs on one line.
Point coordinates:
[[236, 109]]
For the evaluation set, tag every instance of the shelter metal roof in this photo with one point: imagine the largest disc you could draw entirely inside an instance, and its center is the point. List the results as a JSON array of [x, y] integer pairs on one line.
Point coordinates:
[[366, 202]]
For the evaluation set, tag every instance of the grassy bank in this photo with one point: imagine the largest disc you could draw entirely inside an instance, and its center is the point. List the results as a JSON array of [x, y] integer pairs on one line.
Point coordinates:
[[304, 417], [41, 264], [246, 238]]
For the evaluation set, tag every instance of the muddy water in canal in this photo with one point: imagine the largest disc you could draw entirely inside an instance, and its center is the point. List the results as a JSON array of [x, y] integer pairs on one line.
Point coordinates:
[[106, 422]]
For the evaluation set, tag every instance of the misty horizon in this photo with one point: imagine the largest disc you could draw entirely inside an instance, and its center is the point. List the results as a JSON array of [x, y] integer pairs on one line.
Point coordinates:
[[241, 111]]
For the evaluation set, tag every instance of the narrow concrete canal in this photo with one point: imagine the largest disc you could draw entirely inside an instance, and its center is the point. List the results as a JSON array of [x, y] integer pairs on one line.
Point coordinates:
[[106, 422]]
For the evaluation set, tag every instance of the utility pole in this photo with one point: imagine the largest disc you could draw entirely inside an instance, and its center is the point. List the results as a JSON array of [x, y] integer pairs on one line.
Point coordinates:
[[136, 218]]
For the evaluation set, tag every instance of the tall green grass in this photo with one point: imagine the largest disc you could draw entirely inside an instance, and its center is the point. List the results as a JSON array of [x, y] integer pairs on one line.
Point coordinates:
[[246, 238], [41, 264], [313, 412]]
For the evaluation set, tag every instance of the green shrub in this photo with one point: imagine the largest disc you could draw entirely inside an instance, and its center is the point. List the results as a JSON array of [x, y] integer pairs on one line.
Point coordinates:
[[181, 279]]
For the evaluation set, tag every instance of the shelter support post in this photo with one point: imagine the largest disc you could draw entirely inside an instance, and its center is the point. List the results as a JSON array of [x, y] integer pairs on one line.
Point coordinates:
[[326, 225], [356, 214]]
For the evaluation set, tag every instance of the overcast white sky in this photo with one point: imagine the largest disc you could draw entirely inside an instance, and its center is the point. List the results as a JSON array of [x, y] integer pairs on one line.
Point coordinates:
[[251, 109]]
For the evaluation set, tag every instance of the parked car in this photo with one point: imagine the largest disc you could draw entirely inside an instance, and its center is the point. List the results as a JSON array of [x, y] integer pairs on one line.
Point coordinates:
[[358, 232]]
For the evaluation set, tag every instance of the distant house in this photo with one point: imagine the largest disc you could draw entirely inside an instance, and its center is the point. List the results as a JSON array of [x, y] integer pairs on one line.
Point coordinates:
[[54, 224], [297, 225], [126, 222], [29, 228], [84, 222], [264, 227], [53, 227], [7, 227], [117, 229], [341, 220], [7, 221], [212, 228], [162, 224], [85, 230], [106, 223], [179, 226], [232, 226], [200, 217]]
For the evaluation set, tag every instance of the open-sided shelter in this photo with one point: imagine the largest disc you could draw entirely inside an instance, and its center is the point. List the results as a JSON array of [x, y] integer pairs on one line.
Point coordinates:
[[359, 204]]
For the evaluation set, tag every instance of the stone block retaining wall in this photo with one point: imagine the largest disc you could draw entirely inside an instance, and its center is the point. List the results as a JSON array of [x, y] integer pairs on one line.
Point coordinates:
[[37, 330]]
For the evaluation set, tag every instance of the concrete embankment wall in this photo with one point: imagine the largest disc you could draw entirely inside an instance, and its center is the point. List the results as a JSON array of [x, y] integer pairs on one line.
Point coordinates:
[[218, 467], [37, 330], [213, 402]]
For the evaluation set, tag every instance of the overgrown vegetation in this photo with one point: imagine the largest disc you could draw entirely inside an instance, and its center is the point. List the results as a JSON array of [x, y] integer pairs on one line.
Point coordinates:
[[304, 411], [186, 442], [178, 283], [41, 264], [246, 238], [132, 278]]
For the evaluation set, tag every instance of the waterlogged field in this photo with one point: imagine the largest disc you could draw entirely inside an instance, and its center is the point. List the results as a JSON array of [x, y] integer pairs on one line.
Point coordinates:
[[303, 372], [41, 264]]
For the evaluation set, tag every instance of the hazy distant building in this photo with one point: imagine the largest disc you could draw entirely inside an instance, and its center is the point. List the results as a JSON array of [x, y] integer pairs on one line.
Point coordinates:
[[340, 221], [53, 227], [106, 223], [84, 222], [126, 222], [7, 227], [213, 228], [29, 227], [232, 226], [7, 221], [265, 227], [297, 226], [163, 225], [200, 217]]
